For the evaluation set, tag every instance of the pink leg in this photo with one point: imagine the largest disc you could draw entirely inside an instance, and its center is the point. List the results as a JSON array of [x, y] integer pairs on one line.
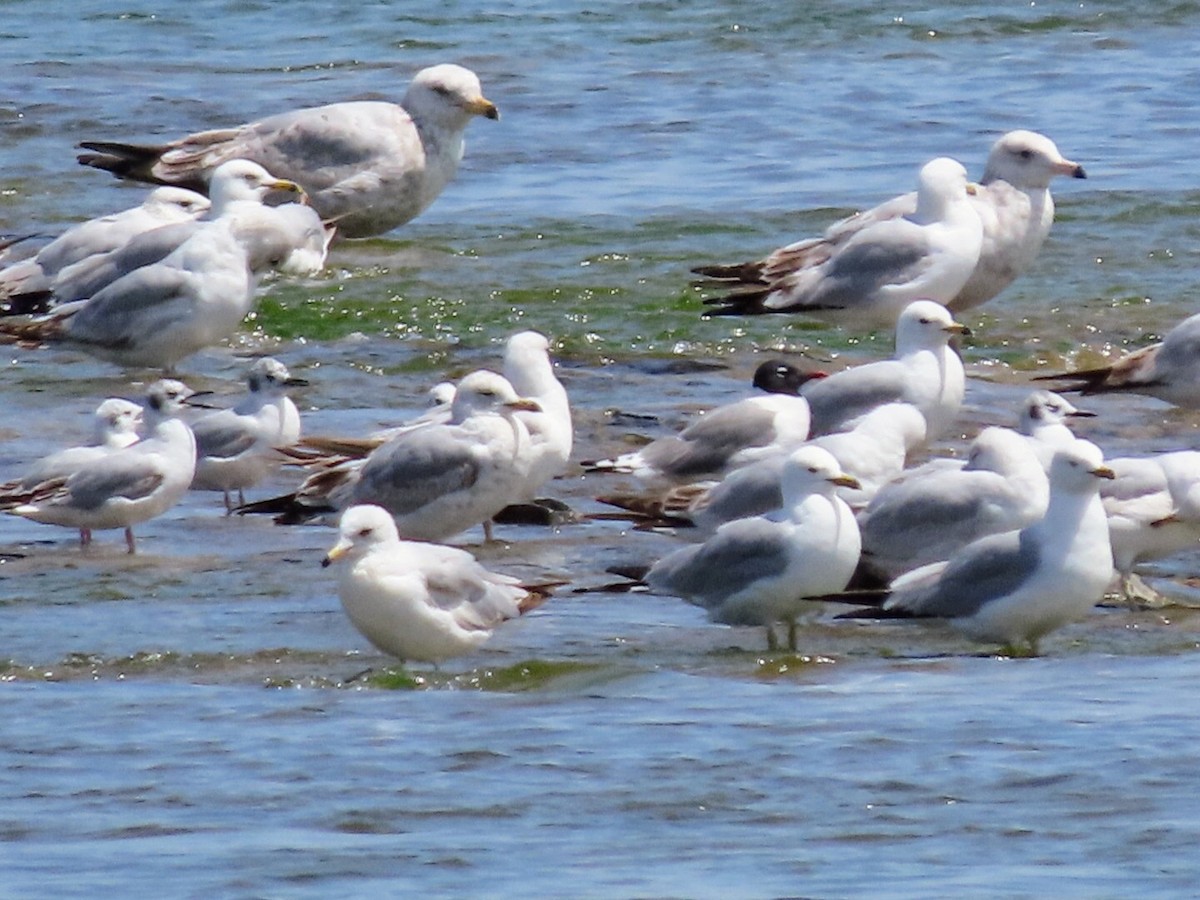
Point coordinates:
[[85, 536], [129, 540]]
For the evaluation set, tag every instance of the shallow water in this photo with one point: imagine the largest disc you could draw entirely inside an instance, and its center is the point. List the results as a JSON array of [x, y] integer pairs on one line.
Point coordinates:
[[193, 712]]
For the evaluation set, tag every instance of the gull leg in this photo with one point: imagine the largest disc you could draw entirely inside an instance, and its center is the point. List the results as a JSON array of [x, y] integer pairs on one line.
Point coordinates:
[[85, 536], [791, 634], [228, 504], [487, 532], [772, 642], [129, 542]]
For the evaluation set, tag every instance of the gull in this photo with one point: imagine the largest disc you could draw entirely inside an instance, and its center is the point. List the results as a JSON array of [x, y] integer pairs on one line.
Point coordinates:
[[1168, 370], [368, 165], [419, 601], [128, 486], [162, 206], [924, 518], [159, 314], [1152, 513], [929, 253], [236, 448], [925, 372], [1014, 588], [722, 439], [872, 453], [757, 571], [1012, 201], [437, 481], [528, 368], [114, 427], [1043, 420]]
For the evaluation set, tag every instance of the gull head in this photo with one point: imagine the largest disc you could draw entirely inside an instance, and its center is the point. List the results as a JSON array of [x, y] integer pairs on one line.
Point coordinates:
[[1048, 408], [361, 530], [1028, 160], [270, 376], [115, 419], [243, 180], [926, 324], [940, 183], [1003, 451], [448, 93], [174, 201], [1079, 469], [167, 397], [812, 470], [777, 376], [484, 392]]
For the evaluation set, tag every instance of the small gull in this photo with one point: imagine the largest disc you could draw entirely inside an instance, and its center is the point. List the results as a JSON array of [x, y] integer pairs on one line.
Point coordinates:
[[927, 254], [757, 571], [924, 518], [1168, 370], [1043, 420], [369, 166], [1012, 201], [236, 448], [1014, 588], [925, 372], [438, 480], [162, 206], [419, 601], [128, 486], [114, 426], [159, 314]]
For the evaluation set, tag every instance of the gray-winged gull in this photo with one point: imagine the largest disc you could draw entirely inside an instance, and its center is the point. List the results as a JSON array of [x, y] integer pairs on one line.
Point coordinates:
[[367, 165]]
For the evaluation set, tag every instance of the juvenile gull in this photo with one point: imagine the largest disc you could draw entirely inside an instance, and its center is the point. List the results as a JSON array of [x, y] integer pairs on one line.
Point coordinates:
[[1012, 201], [419, 601], [437, 481], [925, 372], [1016, 587], [127, 486], [236, 448], [924, 518], [368, 165], [757, 571], [1169, 370], [162, 206], [929, 253]]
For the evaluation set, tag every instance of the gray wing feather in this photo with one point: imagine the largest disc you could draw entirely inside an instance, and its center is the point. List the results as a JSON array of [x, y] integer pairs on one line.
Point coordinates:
[[838, 399], [412, 471], [131, 477], [740, 553], [991, 568]]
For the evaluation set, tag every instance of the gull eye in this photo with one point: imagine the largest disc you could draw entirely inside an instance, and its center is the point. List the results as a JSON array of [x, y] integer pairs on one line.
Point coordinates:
[[441, 90], [813, 469], [365, 532], [926, 321], [1026, 154]]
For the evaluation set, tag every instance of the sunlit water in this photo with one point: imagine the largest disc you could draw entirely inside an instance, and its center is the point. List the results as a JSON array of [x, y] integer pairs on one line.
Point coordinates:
[[191, 716]]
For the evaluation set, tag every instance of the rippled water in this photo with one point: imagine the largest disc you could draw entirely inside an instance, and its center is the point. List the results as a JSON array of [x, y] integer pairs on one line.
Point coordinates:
[[193, 713]]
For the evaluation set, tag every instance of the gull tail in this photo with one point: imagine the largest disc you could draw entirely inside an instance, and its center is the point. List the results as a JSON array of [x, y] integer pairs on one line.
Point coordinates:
[[288, 509]]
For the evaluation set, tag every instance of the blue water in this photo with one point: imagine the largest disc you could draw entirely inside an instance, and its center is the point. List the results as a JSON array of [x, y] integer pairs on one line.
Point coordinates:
[[187, 721]]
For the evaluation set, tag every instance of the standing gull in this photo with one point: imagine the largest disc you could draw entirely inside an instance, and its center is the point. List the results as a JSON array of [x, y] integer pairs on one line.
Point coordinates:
[[419, 601], [925, 372], [757, 571], [127, 486], [236, 448], [438, 480], [1012, 201], [528, 368], [368, 165], [1016, 587], [927, 254]]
